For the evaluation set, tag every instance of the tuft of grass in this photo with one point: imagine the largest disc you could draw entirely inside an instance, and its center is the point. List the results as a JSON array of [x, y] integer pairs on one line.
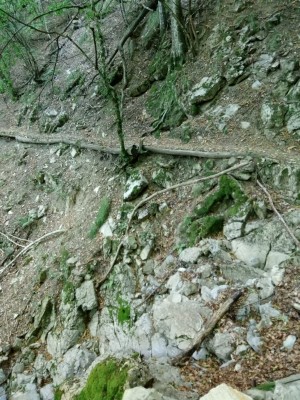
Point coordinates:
[[58, 394], [266, 386], [106, 382], [101, 217]]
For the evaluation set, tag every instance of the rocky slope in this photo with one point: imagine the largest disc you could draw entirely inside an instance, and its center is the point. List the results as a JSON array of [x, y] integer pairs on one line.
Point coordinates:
[[99, 293]]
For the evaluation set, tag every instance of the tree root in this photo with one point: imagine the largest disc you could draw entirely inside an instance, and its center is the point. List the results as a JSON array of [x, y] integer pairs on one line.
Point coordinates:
[[26, 248], [116, 151]]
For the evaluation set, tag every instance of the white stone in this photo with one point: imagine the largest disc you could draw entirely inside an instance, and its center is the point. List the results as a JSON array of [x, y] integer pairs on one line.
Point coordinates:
[[225, 392], [140, 393], [190, 255], [245, 124], [289, 342]]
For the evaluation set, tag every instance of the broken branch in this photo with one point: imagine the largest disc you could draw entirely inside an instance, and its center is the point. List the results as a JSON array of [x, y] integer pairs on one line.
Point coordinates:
[[23, 251]]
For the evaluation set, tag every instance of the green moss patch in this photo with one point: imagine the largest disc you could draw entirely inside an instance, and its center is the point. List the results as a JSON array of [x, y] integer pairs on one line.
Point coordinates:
[[106, 382], [123, 311], [207, 218], [101, 217]]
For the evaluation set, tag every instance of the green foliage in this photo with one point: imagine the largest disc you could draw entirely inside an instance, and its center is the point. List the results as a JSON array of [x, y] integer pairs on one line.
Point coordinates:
[[123, 311], [101, 217], [208, 217], [27, 221], [68, 292], [63, 266], [266, 386], [106, 382], [229, 189], [58, 394], [163, 100]]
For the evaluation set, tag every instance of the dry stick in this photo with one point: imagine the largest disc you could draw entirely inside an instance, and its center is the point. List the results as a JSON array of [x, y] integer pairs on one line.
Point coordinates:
[[10, 240], [210, 326], [23, 251], [141, 203], [278, 213]]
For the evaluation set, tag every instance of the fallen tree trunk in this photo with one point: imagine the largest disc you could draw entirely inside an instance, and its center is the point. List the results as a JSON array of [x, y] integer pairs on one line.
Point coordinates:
[[210, 326], [116, 151]]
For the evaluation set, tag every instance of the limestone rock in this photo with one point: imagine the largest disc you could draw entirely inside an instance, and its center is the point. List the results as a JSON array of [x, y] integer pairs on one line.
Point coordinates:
[[75, 362], [140, 393], [135, 185], [3, 394], [222, 345], [206, 89], [190, 255], [47, 392], [86, 296], [225, 392], [30, 393], [287, 390], [178, 319]]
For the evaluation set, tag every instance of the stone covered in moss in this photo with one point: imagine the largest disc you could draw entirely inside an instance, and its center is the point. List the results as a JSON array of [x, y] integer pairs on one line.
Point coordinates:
[[135, 185], [106, 382], [226, 202]]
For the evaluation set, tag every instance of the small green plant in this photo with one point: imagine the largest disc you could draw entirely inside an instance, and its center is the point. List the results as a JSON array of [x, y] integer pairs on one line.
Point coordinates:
[[123, 311], [106, 382], [27, 221], [63, 266], [58, 394], [266, 386], [101, 217]]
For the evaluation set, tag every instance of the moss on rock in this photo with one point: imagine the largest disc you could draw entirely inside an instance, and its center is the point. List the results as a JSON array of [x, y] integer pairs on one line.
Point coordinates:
[[106, 382], [209, 217]]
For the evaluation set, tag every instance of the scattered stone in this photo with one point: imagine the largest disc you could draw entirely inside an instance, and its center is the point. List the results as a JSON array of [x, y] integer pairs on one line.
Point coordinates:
[[178, 319], [289, 342], [287, 390], [3, 394], [140, 393], [190, 255], [135, 185], [86, 296], [47, 392], [206, 89], [224, 392], [145, 253], [253, 338], [162, 178], [222, 345]]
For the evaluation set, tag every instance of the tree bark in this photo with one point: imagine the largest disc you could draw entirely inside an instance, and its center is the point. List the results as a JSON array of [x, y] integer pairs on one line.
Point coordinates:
[[179, 45]]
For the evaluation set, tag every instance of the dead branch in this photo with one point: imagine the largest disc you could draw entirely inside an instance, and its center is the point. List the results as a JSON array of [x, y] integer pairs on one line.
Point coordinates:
[[11, 240], [210, 326], [23, 251], [296, 241], [116, 151]]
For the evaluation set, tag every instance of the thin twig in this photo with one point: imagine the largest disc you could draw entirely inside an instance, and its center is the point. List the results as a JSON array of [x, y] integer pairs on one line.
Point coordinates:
[[16, 237], [23, 251], [10, 240], [296, 241]]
